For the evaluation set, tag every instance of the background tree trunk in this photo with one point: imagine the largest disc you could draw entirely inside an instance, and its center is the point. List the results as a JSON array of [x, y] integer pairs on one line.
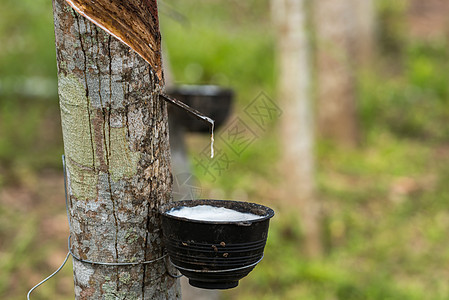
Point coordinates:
[[117, 153], [336, 85], [364, 31], [297, 119]]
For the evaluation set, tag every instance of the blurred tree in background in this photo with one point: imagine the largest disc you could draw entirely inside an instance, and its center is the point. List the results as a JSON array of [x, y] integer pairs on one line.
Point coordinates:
[[297, 126], [364, 39], [335, 25]]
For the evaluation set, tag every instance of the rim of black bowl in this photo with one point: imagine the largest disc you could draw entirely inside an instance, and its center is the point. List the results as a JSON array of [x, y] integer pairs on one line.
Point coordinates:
[[202, 90], [168, 206]]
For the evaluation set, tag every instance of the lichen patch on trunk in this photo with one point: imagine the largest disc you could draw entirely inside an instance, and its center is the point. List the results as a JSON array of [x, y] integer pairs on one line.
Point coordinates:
[[75, 117], [122, 161]]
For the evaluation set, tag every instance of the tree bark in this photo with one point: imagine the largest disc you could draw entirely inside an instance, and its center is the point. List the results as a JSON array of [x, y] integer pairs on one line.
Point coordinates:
[[118, 161], [297, 119], [336, 85]]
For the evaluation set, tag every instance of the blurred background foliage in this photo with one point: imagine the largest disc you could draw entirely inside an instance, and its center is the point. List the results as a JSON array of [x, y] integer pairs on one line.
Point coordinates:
[[386, 202]]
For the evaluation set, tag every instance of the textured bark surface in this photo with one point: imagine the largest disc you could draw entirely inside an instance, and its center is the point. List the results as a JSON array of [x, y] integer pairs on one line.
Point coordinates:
[[134, 22], [297, 119], [334, 28], [117, 153]]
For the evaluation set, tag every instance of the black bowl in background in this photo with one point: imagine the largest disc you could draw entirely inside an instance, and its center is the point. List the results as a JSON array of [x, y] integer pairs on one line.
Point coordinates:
[[214, 254], [212, 101]]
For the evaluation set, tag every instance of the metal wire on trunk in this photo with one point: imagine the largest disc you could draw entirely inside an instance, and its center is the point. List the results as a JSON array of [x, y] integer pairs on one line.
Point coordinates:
[[70, 253]]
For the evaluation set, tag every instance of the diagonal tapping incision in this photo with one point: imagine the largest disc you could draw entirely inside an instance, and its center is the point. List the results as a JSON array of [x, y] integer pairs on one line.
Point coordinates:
[[196, 114]]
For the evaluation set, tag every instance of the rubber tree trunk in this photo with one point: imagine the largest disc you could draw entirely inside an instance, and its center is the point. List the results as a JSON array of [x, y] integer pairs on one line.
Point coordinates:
[[297, 119], [336, 84], [118, 160]]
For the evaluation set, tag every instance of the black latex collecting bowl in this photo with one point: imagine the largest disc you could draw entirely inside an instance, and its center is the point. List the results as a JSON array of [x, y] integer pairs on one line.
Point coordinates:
[[213, 101], [215, 254]]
